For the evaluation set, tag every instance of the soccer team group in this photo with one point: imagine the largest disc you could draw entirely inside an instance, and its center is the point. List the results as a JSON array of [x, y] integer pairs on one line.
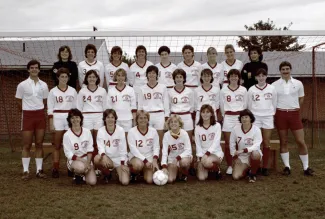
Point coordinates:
[[148, 117]]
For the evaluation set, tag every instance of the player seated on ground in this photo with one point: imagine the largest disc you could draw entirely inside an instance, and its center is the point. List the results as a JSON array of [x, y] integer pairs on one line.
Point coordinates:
[[143, 142], [177, 150], [207, 139], [112, 150], [78, 148], [245, 142]]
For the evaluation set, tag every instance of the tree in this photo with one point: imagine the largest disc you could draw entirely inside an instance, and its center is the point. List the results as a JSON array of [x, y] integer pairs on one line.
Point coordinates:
[[269, 43], [127, 59]]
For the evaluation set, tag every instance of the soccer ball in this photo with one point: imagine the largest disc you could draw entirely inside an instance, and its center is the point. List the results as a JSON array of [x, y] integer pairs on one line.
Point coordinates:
[[160, 178]]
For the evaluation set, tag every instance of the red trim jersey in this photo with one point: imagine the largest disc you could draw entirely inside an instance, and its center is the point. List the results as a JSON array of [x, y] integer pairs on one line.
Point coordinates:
[[207, 141], [91, 101], [262, 101], [210, 97], [122, 101], [137, 74], [77, 145], [112, 144], [233, 100], [84, 66], [61, 99], [218, 74], [166, 74], [153, 99], [226, 68], [174, 147], [248, 141], [181, 101], [110, 69], [32, 94], [193, 73], [143, 145]]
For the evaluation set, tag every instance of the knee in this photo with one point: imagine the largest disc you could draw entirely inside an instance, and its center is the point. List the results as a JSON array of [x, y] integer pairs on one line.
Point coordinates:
[[236, 176], [125, 181], [170, 180], [149, 180], [92, 181], [97, 160], [185, 163], [200, 177], [137, 164], [255, 155]]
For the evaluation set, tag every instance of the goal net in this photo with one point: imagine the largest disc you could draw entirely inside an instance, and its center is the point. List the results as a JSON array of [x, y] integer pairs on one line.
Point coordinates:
[[17, 48]]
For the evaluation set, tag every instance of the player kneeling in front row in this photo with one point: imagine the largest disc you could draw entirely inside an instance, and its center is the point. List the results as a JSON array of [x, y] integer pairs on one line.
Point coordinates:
[[207, 139], [245, 141], [144, 148], [112, 150], [176, 151], [78, 148]]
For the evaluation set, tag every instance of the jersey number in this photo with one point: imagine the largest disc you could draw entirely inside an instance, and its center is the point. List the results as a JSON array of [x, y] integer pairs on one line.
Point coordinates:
[[87, 98], [201, 98], [76, 146], [139, 143], [59, 99], [257, 97], [174, 100], [204, 137], [114, 98], [108, 143], [147, 96], [137, 75], [238, 140], [228, 98]]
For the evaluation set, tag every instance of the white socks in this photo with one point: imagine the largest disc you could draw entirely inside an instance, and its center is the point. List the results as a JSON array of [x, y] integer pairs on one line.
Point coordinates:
[[285, 159], [39, 164], [304, 160], [25, 161]]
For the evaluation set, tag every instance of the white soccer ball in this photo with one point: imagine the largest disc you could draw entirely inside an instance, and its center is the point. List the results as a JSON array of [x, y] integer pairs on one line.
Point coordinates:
[[160, 178]]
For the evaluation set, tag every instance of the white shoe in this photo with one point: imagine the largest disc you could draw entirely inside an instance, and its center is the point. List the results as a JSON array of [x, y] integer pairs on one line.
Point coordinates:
[[229, 170]]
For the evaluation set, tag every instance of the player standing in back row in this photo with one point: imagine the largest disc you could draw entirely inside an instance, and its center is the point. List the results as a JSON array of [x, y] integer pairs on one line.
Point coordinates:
[[290, 94], [166, 68], [191, 67], [215, 67], [31, 97]]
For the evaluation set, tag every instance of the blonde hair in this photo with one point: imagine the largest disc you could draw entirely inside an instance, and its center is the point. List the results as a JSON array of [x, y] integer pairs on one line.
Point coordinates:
[[210, 49], [178, 118], [141, 112], [120, 70]]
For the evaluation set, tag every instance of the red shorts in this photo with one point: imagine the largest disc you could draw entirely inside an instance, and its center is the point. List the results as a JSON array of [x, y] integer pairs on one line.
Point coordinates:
[[33, 120], [285, 120]]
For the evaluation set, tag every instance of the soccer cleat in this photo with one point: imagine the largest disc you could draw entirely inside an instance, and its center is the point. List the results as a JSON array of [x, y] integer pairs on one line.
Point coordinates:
[[309, 172], [229, 170], [70, 173], [192, 171], [78, 180], [40, 174], [55, 173], [252, 178], [25, 176], [286, 171], [133, 177], [107, 178], [265, 172], [182, 178], [218, 175]]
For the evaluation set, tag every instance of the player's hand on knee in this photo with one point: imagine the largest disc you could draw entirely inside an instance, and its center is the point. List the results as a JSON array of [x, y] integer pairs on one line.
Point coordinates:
[[125, 168]]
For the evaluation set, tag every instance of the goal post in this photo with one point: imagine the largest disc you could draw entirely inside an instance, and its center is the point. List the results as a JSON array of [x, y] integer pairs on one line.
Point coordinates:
[[17, 48]]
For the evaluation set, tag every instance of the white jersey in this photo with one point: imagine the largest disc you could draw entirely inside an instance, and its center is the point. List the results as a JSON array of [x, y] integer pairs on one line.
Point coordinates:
[[61, 99], [77, 145], [226, 68], [208, 140], [181, 101], [32, 94], [233, 100], [153, 99], [262, 101], [84, 66], [137, 74], [193, 73], [122, 101], [112, 144], [110, 69], [217, 71], [250, 141], [166, 74], [91, 101], [210, 97], [174, 147], [143, 145]]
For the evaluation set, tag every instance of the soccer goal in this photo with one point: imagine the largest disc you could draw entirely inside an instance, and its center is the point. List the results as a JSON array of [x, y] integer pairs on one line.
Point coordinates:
[[303, 49]]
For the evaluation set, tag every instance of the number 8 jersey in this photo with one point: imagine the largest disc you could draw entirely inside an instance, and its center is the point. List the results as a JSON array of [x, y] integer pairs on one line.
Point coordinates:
[[233, 100]]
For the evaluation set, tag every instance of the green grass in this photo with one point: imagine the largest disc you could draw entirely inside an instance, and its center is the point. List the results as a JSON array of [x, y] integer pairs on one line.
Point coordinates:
[[275, 196]]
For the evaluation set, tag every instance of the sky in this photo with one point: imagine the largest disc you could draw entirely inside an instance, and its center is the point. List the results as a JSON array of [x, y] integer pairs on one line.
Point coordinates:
[[80, 15]]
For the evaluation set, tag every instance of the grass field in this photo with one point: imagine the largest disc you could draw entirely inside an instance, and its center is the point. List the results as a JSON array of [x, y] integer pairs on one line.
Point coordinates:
[[274, 196]]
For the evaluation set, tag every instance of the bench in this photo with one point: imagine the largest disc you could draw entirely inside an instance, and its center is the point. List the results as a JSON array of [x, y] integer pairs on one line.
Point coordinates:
[[274, 153]]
